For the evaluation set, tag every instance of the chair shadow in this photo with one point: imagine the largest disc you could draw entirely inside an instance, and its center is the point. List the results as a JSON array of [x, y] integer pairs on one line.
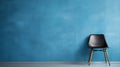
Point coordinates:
[[82, 54]]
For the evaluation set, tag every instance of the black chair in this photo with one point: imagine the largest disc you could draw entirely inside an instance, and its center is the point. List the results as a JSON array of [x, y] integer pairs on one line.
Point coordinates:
[[98, 41]]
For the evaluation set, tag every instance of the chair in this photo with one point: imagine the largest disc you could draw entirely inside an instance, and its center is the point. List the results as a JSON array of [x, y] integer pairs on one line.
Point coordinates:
[[98, 41]]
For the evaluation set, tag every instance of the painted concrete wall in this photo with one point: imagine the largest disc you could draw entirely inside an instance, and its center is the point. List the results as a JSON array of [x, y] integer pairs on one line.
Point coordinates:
[[57, 30]]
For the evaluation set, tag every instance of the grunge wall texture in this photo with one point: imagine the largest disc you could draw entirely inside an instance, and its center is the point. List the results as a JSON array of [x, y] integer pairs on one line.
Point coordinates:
[[57, 30]]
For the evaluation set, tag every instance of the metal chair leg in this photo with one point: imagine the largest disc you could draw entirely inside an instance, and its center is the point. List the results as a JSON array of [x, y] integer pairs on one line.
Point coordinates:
[[90, 57], [107, 56]]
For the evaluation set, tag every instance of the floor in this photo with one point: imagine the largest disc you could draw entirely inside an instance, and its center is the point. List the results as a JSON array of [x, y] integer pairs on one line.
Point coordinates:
[[57, 65]]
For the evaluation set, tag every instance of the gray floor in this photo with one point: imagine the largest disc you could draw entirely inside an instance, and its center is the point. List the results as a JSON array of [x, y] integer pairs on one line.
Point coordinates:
[[57, 65]]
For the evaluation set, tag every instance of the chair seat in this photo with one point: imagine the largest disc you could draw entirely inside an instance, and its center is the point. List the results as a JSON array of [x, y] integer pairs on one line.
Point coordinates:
[[98, 46]]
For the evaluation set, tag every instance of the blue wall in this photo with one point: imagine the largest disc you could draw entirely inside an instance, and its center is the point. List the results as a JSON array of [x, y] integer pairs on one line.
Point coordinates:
[[57, 30]]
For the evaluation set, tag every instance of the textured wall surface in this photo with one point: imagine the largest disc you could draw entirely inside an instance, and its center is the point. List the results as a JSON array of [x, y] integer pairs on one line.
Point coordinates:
[[57, 30]]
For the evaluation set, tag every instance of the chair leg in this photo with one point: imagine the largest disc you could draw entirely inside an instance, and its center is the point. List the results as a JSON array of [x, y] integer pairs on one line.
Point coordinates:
[[90, 57], [107, 56]]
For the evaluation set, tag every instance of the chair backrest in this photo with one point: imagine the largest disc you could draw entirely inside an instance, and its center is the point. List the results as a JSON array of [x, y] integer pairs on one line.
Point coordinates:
[[97, 41]]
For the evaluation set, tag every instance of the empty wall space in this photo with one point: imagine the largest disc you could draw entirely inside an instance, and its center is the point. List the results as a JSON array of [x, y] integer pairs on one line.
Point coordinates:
[[57, 30]]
